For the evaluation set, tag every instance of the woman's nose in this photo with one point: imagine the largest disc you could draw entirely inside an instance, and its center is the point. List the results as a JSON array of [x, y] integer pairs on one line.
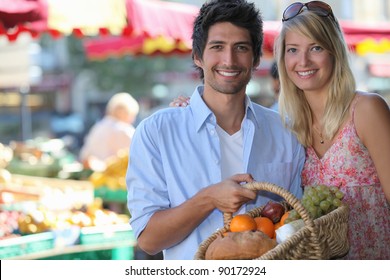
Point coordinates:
[[304, 59]]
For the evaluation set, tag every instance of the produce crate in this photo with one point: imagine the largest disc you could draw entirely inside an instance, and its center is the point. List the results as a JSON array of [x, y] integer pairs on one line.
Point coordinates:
[[109, 254], [110, 195], [120, 237], [28, 244], [54, 194], [106, 234]]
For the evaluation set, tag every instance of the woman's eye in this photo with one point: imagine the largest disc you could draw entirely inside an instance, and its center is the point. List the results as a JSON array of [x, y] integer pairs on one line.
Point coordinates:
[[317, 48], [292, 50]]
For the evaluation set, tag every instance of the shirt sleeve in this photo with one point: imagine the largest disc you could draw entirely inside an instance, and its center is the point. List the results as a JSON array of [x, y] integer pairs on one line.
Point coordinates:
[[296, 185], [147, 191]]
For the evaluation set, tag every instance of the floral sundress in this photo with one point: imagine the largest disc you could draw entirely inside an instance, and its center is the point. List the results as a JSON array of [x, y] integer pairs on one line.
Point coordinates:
[[348, 165]]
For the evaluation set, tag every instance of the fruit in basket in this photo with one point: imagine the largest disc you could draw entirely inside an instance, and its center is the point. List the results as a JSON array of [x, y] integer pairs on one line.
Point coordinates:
[[273, 210], [265, 225], [286, 231], [320, 200], [242, 222], [284, 217], [292, 216], [244, 245]]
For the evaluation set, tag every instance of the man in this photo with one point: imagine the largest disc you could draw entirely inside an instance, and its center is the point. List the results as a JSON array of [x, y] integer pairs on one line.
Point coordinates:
[[187, 164]]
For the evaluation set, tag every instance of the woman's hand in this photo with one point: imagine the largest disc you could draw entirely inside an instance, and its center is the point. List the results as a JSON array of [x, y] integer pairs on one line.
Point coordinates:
[[180, 101]]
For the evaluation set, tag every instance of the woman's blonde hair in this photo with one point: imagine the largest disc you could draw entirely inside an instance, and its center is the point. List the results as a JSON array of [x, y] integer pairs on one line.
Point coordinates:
[[294, 108]]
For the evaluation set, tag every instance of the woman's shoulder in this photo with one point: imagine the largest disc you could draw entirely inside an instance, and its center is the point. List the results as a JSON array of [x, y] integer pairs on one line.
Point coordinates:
[[371, 114], [368, 102]]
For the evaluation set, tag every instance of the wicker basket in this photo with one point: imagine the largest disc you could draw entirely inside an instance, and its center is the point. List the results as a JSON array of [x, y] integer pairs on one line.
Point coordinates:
[[322, 238]]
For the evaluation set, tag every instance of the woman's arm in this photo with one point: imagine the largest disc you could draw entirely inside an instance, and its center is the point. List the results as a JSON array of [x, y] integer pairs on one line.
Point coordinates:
[[372, 120]]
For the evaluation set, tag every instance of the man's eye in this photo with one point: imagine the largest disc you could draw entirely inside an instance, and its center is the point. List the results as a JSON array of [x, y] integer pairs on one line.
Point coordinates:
[[242, 48]]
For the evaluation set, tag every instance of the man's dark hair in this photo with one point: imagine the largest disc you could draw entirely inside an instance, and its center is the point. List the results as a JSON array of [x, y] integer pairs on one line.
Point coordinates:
[[274, 71], [238, 12]]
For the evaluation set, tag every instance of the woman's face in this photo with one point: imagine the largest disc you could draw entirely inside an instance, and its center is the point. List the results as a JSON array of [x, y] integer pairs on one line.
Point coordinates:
[[308, 65]]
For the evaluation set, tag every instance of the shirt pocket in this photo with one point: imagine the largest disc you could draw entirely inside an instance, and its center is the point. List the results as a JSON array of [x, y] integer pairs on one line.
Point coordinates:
[[281, 174]]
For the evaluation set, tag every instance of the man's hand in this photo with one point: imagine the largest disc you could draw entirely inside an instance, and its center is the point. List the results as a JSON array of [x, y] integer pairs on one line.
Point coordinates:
[[228, 196]]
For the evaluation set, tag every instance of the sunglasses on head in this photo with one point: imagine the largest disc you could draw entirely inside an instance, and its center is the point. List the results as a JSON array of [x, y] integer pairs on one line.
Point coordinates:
[[319, 7]]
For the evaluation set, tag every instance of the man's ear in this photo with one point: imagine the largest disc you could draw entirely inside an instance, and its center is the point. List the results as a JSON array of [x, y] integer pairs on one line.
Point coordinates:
[[256, 63], [198, 61]]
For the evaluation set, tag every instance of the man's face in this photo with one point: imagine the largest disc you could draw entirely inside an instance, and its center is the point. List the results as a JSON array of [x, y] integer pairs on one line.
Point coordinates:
[[227, 60]]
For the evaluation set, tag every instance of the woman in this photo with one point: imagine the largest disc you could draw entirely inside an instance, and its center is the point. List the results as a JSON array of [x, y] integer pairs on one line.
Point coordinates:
[[346, 132]]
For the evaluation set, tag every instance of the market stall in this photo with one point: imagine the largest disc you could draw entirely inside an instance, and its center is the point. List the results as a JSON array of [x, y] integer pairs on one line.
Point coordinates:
[[53, 218]]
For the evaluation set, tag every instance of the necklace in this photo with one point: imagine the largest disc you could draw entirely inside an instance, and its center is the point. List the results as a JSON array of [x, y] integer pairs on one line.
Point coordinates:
[[322, 141]]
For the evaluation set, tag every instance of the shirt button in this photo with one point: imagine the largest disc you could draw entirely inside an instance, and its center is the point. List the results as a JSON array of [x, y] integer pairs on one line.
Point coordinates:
[[212, 132]]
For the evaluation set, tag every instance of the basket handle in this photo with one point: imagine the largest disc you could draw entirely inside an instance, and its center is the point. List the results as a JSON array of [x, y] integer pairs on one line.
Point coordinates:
[[289, 197]]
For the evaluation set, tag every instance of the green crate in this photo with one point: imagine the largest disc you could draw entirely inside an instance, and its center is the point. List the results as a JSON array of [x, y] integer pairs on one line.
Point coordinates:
[[110, 195], [27, 244], [119, 253], [106, 234]]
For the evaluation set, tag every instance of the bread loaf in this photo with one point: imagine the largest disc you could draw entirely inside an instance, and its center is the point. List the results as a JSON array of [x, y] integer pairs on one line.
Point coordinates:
[[244, 245]]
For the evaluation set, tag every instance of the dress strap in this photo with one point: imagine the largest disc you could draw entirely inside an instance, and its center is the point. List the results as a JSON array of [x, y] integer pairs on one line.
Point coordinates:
[[353, 106]]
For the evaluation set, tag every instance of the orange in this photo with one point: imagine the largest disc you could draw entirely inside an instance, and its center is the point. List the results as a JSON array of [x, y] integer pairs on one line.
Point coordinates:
[[284, 217], [277, 225], [242, 222], [265, 225]]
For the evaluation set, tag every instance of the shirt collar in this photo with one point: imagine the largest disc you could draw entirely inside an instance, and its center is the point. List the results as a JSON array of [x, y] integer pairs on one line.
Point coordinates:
[[250, 111], [199, 109], [202, 112]]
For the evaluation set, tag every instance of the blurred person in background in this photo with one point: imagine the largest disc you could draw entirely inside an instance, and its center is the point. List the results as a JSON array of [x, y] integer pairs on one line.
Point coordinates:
[[112, 133], [274, 74]]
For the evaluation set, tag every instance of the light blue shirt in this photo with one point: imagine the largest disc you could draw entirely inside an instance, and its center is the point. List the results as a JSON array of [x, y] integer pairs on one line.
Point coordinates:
[[275, 107], [176, 152]]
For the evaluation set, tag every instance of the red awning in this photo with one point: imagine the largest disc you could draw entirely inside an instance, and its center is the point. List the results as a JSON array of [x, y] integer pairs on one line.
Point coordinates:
[[101, 48], [150, 18], [358, 34], [159, 18], [18, 16], [162, 27], [154, 27], [123, 26]]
